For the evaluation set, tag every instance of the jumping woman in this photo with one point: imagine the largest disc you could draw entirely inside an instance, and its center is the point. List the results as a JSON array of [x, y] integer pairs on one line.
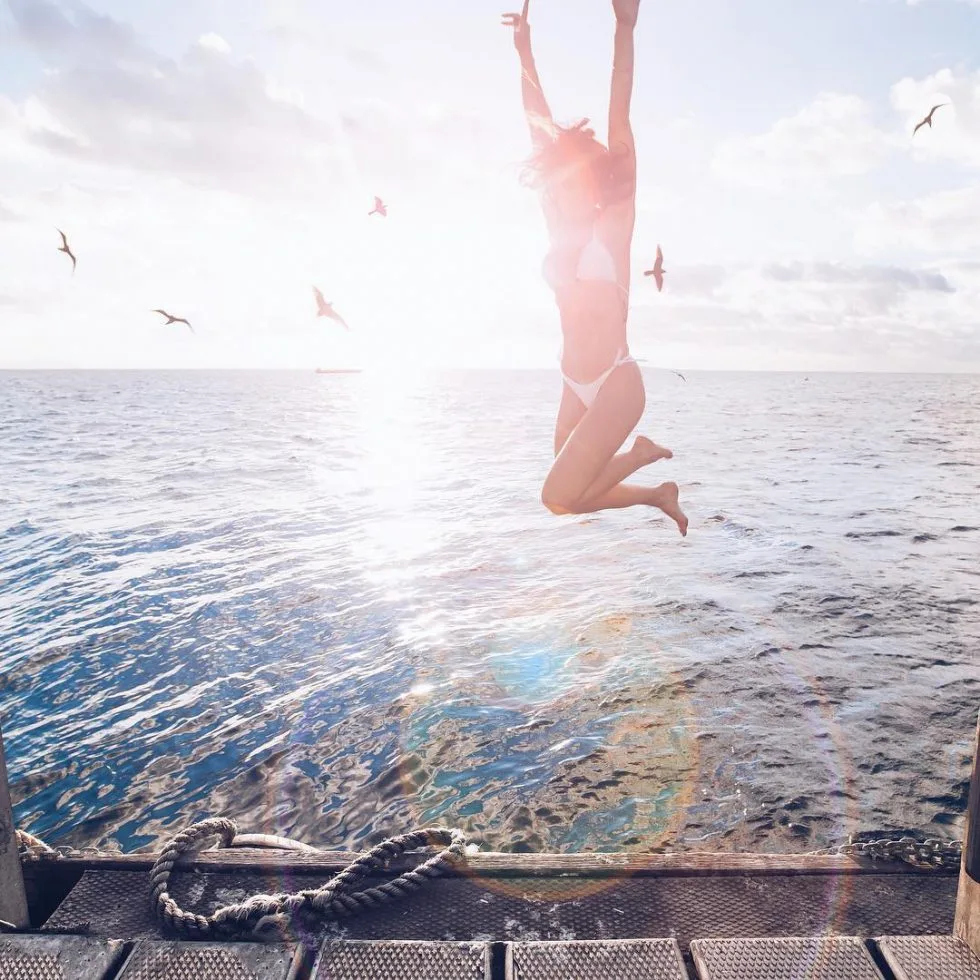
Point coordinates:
[[588, 195]]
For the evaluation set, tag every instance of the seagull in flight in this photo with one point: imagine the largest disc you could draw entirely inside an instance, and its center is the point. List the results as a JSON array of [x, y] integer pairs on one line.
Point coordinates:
[[174, 319], [323, 308], [65, 248], [379, 208], [928, 119], [658, 270], [679, 375]]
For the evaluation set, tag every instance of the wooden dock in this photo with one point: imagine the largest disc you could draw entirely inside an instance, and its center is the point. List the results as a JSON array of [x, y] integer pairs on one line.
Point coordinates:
[[519, 917]]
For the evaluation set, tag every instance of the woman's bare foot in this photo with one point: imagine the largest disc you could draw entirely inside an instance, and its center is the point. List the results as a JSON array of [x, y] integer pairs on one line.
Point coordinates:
[[666, 498], [647, 451]]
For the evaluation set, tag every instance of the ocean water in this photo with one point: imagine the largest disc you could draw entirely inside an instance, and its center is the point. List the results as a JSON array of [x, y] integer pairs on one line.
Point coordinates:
[[332, 607]]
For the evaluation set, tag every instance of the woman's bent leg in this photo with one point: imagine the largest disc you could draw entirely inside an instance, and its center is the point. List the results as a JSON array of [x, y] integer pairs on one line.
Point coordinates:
[[664, 497], [644, 452], [593, 443]]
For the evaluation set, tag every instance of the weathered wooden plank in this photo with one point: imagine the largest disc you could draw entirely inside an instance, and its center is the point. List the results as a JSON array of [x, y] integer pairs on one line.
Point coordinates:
[[967, 923], [690, 864], [13, 898]]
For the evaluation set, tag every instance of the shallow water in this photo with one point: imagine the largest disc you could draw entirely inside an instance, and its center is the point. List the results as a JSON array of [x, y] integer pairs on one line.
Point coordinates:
[[332, 607]]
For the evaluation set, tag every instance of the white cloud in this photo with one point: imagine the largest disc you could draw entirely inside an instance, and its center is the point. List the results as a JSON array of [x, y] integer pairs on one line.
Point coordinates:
[[891, 278], [88, 38], [832, 315], [834, 136], [214, 42], [947, 223], [203, 117], [210, 118]]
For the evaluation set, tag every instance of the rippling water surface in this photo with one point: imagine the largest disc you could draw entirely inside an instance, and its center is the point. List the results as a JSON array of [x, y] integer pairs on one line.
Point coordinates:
[[332, 607]]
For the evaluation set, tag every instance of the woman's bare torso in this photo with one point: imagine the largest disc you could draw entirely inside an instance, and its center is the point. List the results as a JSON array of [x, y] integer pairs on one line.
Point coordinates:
[[593, 327], [593, 312]]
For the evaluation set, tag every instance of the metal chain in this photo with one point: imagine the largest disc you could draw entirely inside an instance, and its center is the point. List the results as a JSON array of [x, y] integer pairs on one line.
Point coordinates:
[[32, 848], [930, 852]]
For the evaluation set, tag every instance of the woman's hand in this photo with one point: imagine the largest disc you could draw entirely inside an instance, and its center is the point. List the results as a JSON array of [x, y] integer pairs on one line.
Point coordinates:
[[626, 11], [522, 29]]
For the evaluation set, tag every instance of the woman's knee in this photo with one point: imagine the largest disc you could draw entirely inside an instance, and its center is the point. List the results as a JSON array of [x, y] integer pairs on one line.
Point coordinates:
[[554, 501]]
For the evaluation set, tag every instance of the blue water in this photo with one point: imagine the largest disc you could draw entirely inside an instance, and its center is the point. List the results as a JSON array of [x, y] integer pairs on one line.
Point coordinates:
[[332, 607]]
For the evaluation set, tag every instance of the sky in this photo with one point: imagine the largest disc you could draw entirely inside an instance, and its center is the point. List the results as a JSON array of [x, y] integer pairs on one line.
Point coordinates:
[[220, 157]]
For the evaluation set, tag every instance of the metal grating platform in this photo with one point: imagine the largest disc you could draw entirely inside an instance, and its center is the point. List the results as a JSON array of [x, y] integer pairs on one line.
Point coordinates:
[[402, 961], [783, 959], [206, 961], [483, 909], [57, 957], [929, 958], [637, 959]]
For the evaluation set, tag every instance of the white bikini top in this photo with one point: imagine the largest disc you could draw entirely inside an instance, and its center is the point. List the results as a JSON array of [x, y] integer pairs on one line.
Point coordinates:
[[595, 264]]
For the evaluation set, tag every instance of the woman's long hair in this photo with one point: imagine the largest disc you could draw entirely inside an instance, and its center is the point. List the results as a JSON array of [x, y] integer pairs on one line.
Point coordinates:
[[574, 152]]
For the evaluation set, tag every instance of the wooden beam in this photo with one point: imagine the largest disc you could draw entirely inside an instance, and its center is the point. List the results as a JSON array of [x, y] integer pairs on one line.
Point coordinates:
[[967, 923], [13, 898], [491, 864]]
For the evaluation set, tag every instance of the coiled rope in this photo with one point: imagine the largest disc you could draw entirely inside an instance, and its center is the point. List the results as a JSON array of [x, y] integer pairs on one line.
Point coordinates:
[[261, 915], [32, 848]]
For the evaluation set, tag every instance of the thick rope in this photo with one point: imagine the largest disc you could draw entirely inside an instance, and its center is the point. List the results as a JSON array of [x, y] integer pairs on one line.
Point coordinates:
[[29, 843], [272, 841], [260, 914]]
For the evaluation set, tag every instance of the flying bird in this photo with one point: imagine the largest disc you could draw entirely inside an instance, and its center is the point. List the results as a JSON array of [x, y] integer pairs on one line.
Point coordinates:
[[174, 319], [379, 208], [928, 119], [679, 375], [64, 248], [658, 270], [323, 308]]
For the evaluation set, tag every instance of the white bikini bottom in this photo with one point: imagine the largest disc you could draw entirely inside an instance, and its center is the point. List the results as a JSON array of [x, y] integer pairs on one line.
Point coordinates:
[[586, 392]]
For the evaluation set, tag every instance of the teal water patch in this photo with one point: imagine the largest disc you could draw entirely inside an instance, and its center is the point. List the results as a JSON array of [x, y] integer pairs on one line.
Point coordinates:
[[534, 672], [624, 826]]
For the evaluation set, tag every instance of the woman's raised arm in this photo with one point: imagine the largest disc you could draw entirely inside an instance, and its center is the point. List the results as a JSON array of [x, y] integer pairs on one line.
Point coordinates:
[[620, 130], [536, 109]]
